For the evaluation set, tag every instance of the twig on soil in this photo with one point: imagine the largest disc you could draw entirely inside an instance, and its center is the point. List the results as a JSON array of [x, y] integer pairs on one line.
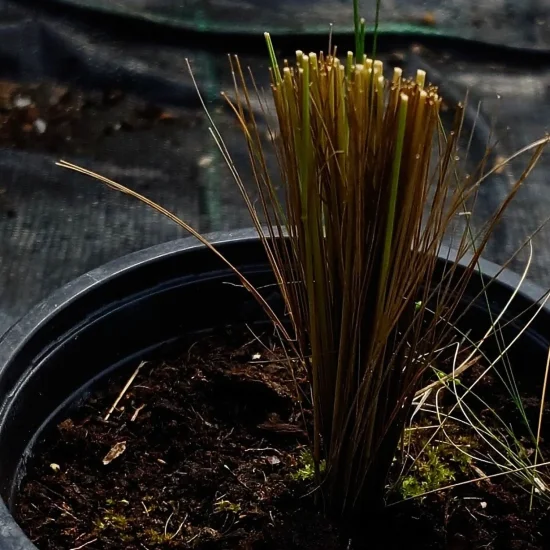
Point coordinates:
[[482, 475], [178, 531], [137, 411], [193, 538], [205, 422], [167, 523], [65, 511], [470, 512], [116, 450], [271, 362], [191, 349], [124, 390], [51, 491], [85, 544], [228, 434]]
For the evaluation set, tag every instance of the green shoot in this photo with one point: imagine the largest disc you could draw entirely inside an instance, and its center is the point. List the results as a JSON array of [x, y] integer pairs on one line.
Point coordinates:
[[359, 43], [226, 506], [273, 59], [307, 470], [375, 33]]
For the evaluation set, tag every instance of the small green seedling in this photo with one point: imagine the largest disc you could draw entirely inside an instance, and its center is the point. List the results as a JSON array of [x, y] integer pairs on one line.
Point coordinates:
[[306, 471]]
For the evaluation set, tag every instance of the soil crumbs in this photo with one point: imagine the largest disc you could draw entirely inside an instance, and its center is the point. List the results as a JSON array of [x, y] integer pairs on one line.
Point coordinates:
[[209, 450]]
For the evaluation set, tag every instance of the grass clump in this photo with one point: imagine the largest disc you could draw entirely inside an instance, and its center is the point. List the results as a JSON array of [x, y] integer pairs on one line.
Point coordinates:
[[365, 211], [371, 188], [354, 246]]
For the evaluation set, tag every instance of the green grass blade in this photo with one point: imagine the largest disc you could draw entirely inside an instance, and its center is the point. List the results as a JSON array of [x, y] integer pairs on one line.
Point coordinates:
[[273, 59], [359, 46], [376, 30], [396, 170]]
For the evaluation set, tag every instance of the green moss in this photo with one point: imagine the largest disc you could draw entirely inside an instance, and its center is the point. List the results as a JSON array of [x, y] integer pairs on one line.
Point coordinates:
[[435, 468], [226, 506], [306, 470], [118, 521], [156, 537], [99, 525]]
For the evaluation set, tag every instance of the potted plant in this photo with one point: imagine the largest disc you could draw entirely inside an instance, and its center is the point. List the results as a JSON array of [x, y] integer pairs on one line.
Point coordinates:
[[363, 359]]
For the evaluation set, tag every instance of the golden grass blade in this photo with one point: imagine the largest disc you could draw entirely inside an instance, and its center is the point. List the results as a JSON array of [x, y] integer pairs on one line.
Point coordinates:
[[126, 190]]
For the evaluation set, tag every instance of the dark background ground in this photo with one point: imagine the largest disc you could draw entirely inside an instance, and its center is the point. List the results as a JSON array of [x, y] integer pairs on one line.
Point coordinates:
[[115, 96]]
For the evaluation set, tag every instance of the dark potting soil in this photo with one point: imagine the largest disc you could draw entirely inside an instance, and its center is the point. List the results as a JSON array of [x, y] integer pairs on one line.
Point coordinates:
[[208, 449]]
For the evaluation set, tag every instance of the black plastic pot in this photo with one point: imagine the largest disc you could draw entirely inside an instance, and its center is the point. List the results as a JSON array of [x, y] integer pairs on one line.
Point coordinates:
[[130, 308]]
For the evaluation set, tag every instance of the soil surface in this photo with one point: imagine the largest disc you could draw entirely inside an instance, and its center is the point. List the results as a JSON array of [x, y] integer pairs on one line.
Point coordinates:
[[208, 449]]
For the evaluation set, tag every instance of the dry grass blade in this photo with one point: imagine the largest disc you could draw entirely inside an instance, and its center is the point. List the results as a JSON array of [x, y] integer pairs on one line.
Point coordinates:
[[126, 190], [541, 415]]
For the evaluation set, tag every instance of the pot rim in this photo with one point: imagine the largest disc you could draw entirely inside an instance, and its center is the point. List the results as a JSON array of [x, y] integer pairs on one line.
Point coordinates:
[[41, 313]]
